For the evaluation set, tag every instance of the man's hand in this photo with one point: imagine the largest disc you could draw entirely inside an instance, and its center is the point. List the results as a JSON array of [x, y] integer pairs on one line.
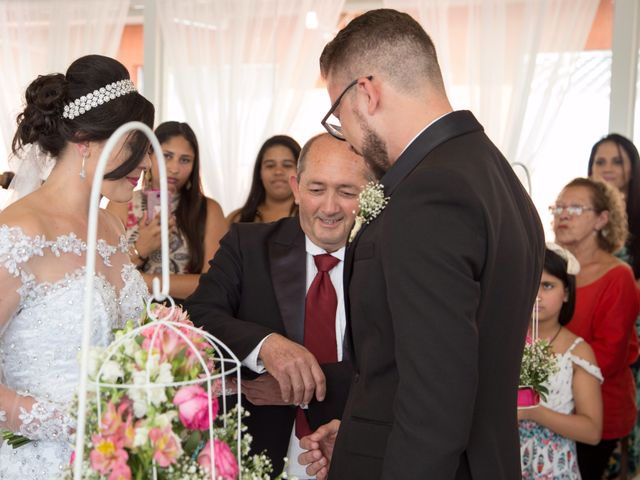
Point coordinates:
[[319, 446], [264, 390], [295, 368]]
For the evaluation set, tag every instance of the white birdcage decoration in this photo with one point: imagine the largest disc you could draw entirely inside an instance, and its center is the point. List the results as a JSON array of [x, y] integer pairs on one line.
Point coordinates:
[[151, 386]]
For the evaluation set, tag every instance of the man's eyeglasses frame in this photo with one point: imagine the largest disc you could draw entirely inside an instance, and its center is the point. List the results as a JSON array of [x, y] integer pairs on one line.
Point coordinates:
[[336, 130]]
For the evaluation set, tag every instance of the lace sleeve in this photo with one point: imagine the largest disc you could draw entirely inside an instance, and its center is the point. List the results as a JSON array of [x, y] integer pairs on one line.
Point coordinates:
[[33, 418]]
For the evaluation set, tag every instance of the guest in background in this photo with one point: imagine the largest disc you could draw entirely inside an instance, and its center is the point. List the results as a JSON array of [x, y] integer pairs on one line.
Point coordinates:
[[270, 197], [615, 160], [590, 221], [197, 222], [573, 407]]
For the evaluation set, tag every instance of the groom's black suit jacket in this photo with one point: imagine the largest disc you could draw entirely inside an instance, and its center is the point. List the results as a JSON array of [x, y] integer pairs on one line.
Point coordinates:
[[256, 285], [440, 289]]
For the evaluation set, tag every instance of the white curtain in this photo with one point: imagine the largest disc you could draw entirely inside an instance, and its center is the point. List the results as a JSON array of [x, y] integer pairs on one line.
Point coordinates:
[[38, 37], [509, 61], [240, 69]]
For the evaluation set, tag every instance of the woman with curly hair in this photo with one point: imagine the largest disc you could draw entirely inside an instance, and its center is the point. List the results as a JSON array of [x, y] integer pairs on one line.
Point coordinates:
[[590, 221]]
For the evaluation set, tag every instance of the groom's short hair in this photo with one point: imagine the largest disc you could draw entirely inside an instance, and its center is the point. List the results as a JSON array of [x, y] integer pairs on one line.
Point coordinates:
[[384, 42]]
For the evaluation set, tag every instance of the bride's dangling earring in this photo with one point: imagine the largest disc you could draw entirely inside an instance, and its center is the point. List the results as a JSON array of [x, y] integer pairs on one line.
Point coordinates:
[[83, 170]]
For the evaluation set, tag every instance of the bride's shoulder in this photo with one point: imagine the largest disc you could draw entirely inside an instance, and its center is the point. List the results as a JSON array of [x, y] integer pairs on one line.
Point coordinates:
[[21, 218]]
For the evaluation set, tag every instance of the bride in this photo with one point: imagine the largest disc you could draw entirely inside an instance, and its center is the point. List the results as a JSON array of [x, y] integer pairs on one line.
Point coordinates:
[[43, 252]]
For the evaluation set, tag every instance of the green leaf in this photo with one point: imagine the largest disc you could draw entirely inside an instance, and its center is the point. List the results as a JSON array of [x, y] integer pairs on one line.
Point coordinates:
[[192, 442], [14, 440]]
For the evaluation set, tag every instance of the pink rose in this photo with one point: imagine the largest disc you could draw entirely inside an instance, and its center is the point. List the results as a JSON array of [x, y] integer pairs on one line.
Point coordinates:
[[192, 403], [225, 460]]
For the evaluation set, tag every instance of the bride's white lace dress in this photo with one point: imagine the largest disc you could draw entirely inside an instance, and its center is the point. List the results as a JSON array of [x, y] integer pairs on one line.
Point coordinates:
[[40, 343]]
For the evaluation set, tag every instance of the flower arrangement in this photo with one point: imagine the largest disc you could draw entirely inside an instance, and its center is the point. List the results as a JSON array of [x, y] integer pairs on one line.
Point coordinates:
[[538, 364], [371, 202], [153, 410]]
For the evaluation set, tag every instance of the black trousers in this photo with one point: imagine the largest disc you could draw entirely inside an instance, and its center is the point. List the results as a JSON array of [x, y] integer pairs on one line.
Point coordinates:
[[593, 459]]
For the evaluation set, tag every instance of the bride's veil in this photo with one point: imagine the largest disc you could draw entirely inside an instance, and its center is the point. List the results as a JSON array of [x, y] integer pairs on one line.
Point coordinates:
[[32, 167]]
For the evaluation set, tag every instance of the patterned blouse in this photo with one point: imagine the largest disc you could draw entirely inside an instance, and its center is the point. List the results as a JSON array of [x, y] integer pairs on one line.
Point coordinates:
[[178, 249]]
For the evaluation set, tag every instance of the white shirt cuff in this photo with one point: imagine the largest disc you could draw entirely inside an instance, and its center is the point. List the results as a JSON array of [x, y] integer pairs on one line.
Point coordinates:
[[252, 362]]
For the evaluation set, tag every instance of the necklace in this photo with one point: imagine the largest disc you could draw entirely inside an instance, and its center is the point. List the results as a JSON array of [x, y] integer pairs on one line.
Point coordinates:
[[555, 335]]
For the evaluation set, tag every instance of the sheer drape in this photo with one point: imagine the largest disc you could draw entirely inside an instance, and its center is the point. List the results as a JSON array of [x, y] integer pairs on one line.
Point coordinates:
[[38, 37], [509, 61], [240, 69]]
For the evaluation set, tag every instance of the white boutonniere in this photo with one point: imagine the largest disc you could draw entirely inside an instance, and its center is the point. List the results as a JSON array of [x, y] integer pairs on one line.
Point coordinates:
[[371, 202]]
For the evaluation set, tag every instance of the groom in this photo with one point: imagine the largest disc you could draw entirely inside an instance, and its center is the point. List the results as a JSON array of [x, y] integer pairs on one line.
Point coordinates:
[[440, 284]]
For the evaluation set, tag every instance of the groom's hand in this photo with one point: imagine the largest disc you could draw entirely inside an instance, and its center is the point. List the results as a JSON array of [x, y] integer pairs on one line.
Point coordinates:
[[295, 368], [319, 446], [264, 390]]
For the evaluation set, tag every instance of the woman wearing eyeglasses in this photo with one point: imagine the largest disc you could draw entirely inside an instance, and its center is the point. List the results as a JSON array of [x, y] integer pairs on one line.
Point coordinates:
[[590, 221]]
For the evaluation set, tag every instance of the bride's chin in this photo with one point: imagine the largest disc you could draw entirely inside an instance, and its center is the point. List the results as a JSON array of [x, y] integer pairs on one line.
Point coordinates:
[[120, 195]]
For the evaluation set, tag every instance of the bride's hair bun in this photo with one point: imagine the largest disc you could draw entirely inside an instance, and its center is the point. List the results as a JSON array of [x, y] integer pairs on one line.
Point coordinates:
[[40, 121]]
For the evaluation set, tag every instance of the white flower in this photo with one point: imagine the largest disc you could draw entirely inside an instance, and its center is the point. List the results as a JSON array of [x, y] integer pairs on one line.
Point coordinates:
[[141, 436], [356, 228], [371, 202], [131, 347], [164, 374], [140, 357], [165, 419], [3, 416], [94, 361], [111, 371], [138, 395]]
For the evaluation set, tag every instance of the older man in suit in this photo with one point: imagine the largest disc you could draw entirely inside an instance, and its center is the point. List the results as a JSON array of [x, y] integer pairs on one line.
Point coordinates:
[[274, 295], [440, 284]]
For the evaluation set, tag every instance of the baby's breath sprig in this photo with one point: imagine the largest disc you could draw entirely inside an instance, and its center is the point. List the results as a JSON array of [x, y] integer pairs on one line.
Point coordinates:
[[538, 364], [371, 202]]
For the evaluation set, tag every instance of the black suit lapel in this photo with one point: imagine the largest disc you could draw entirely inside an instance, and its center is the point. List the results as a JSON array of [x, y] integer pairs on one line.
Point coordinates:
[[452, 125], [287, 257]]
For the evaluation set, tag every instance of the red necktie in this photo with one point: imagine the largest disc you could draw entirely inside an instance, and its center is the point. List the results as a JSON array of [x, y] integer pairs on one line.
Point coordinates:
[[319, 323]]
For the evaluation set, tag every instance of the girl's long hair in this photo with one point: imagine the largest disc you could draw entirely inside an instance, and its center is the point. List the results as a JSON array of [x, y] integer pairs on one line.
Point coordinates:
[[191, 213], [632, 199], [257, 194]]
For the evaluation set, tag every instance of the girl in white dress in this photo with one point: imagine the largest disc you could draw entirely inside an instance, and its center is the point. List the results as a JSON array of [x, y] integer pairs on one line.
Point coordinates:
[[573, 408], [67, 118]]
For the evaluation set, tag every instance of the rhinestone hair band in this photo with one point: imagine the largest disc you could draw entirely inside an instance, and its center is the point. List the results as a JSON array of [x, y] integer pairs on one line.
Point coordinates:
[[97, 97]]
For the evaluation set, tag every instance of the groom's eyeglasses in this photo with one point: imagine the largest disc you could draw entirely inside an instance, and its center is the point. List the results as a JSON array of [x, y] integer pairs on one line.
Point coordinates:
[[334, 129]]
